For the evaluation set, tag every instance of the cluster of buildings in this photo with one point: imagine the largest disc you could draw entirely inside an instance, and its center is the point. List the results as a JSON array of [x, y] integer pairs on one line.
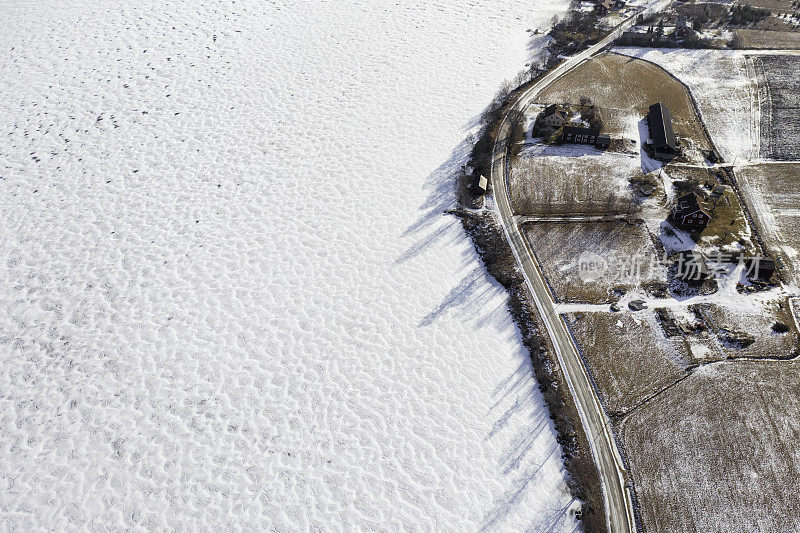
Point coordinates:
[[663, 142], [604, 7], [689, 213], [658, 35], [554, 118]]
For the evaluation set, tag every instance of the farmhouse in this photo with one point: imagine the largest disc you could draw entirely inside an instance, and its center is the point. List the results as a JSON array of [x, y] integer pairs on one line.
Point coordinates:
[[551, 118], [689, 213], [682, 29], [602, 7], [659, 125], [580, 135]]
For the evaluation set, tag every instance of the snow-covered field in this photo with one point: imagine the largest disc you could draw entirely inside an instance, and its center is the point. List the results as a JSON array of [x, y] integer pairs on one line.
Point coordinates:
[[230, 297], [718, 452], [571, 179]]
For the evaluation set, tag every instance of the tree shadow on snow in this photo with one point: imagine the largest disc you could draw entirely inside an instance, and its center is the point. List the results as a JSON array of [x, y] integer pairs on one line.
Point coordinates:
[[435, 225], [475, 297], [525, 457]]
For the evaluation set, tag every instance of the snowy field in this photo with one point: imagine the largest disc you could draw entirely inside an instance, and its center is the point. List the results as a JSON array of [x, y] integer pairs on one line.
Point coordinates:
[[571, 179], [231, 299], [718, 451], [724, 90], [780, 105]]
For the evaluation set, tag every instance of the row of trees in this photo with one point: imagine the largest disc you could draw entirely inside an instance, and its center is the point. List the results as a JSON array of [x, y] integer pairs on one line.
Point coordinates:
[[744, 15], [576, 31]]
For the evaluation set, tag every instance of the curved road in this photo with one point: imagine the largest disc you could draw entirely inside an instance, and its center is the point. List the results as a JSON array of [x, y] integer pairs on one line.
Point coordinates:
[[613, 476]]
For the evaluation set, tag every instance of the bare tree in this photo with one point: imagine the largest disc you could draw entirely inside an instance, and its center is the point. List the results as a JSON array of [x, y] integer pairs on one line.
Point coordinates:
[[516, 131]]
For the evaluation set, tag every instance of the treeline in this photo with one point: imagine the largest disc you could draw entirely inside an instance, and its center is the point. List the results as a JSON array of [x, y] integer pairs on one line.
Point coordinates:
[[575, 32], [744, 15], [584, 480], [655, 40], [495, 252]]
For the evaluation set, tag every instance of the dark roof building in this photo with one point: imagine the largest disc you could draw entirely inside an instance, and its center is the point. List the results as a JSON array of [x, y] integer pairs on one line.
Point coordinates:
[[682, 29], [581, 135], [659, 125], [691, 266], [602, 7], [760, 268], [690, 213], [553, 109]]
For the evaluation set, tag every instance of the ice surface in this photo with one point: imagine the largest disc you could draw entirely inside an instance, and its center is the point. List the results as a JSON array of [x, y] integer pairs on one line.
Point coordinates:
[[231, 299]]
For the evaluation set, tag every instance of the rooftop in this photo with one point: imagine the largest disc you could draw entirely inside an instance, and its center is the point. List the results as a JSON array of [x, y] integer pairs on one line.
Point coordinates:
[[660, 122]]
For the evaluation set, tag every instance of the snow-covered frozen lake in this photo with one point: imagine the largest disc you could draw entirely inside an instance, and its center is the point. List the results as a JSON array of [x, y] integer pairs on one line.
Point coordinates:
[[230, 297]]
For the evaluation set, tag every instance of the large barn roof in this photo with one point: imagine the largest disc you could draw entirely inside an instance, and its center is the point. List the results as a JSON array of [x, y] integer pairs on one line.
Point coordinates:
[[660, 121]]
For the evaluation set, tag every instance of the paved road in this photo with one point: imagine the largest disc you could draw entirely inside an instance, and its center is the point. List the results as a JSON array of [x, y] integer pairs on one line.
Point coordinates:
[[617, 495]]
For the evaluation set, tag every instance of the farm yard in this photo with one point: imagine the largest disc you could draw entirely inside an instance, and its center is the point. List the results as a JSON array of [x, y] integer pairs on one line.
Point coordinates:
[[558, 246], [690, 380], [724, 91], [774, 192], [717, 451], [749, 331], [728, 227], [779, 97], [572, 179], [628, 356], [623, 88]]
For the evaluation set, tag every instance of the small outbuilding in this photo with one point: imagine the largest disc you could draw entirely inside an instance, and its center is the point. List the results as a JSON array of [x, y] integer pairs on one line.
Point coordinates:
[[691, 266], [479, 185], [760, 268], [637, 305]]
